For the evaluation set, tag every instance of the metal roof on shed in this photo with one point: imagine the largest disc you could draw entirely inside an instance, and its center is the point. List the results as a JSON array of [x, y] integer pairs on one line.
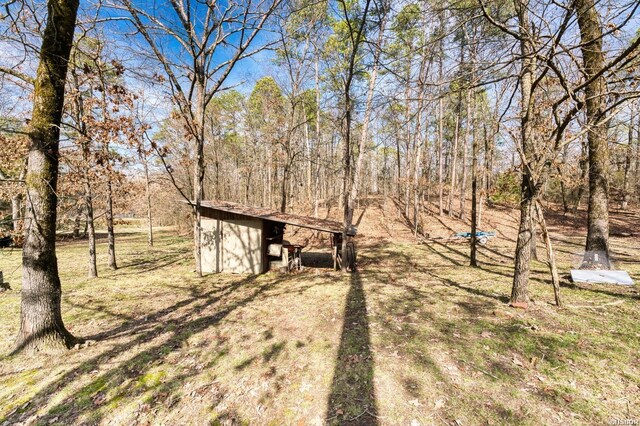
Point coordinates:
[[325, 225]]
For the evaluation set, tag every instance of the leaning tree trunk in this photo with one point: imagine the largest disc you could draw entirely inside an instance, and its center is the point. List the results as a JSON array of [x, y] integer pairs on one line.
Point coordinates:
[[551, 257], [41, 326], [595, 91]]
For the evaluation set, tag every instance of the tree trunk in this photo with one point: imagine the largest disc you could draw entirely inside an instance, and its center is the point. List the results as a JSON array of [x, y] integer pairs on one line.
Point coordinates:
[[41, 325], [522, 267], [351, 191], [595, 91], [76, 222], [463, 184], [16, 204], [534, 244], [91, 232], [409, 146], [520, 288], [283, 189], [637, 162], [316, 180], [440, 149], [111, 237], [563, 189], [626, 192], [417, 167], [474, 195], [199, 169], [484, 180], [454, 160], [16, 211], [147, 184], [584, 170]]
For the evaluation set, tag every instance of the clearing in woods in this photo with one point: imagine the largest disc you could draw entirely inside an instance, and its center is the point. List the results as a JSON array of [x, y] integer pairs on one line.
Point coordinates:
[[414, 337]]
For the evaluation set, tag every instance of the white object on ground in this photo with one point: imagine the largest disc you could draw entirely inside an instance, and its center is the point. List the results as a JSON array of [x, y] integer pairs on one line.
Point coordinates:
[[601, 276]]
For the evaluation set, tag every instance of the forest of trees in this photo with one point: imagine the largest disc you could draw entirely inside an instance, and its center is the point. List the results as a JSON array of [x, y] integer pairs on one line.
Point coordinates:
[[447, 107]]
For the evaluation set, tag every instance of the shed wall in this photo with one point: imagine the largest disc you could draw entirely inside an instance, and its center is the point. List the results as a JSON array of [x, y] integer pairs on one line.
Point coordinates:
[[232, 243]]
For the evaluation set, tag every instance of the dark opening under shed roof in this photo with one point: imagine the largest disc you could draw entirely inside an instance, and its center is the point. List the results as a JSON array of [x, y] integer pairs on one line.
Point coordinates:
[[325, 225]]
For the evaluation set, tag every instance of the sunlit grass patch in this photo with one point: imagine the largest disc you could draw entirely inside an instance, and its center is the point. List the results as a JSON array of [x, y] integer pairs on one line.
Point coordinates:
[[416, 334]]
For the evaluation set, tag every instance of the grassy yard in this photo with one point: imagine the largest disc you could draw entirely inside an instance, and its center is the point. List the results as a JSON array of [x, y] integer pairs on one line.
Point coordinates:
[[416, 337]]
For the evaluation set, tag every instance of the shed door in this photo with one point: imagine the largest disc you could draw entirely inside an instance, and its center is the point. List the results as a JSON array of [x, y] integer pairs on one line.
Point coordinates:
[[242, 246], [210, 253]]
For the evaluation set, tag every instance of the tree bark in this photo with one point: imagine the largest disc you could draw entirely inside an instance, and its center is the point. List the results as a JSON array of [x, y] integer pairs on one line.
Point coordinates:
[[637, 161], [351, 188], [41, 325], [283, 188], [16, 211], [474, 194], [595, 92], [398, 168], [316, 178], [463, 165], [584, 170], [147, 184], [454, 160], [199, 169], [520, 288], [91, 232], [111, 236], [85, 145], [534, 245], [76, 222], [626, 192], [522, 267], [440, 149]]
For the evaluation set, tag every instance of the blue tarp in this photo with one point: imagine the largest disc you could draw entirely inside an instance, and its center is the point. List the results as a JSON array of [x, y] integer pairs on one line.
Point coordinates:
[[478, 234]]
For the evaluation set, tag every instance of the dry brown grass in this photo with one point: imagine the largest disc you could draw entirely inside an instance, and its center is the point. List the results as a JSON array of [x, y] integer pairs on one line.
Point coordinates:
[[415, 337]]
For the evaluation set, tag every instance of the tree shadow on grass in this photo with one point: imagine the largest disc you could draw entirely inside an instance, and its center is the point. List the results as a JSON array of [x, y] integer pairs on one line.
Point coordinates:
[[352, 399], [194, 318], [625, 292], [142, 264]]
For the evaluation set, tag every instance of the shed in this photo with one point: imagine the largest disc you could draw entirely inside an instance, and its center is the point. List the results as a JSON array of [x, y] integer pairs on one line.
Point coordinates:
[[240, 239]]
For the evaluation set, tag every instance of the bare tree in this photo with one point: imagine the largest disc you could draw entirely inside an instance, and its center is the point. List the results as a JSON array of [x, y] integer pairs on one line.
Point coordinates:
[[41, 325], [213, 38], [595, 99], [355, 38]]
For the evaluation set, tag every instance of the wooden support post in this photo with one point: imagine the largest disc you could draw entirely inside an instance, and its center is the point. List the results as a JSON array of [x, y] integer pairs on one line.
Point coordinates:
[[285, 258], [336, 241]]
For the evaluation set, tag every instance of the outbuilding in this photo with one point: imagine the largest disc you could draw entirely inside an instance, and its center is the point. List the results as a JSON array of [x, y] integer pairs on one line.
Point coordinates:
[[243, 239]]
